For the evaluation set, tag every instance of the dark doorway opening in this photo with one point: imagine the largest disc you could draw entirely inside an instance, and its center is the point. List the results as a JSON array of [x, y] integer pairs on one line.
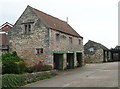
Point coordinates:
[[79, 59], [58, 61], [115, 56], [70, 60]]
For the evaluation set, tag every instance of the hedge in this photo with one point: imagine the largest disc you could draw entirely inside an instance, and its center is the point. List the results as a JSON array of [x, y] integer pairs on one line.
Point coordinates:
[[11, 56], [12, 67]]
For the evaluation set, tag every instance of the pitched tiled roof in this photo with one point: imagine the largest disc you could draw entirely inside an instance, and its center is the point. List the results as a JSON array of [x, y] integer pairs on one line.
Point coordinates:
[[55, 23], [97, 44], [6, 27]]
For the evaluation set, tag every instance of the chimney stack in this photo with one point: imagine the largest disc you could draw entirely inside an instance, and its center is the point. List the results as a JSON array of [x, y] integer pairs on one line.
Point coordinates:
[[67, 19]]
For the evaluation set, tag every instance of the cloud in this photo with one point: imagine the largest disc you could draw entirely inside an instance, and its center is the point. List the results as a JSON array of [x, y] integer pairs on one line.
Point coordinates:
[[93, 19]]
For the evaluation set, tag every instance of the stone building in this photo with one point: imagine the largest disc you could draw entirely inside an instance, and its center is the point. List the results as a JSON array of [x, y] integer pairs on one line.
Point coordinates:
[[115, 54], [38, 36], [6, 27], [95, 52], [4, 42], [4, 39]]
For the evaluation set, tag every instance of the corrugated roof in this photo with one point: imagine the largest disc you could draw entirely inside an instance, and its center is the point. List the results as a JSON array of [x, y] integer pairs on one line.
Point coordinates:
[[55, 23]]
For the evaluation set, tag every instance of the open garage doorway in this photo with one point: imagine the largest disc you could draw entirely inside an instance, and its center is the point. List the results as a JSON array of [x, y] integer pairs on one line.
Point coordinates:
[[70, 60], [58, 61], [79, 59]]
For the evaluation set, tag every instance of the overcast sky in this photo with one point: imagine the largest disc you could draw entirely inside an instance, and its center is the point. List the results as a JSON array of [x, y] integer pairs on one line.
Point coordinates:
[[95, 20]]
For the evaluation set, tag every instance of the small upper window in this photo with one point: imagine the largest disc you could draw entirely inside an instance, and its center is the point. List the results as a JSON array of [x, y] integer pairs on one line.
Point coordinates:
[[79, 42], [58, 37], [27, 29], [70, 39]]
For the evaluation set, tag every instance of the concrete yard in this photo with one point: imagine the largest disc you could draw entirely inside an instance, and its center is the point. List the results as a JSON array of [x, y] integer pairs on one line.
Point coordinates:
[[91, 75]]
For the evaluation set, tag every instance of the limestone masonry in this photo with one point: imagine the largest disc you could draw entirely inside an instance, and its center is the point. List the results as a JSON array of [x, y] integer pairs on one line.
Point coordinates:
[[37, 36]]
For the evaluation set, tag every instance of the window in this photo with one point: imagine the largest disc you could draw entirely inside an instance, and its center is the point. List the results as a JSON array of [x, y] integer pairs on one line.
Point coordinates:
[[91, 49], [39, 51], [70, 39], [58, 37], [79, 42], [27, 29]]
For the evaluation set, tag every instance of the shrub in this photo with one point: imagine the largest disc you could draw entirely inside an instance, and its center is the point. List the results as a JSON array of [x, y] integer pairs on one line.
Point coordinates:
[[29, 70], [21, 66], [37, 66], [11, 56], [14, 53], [9, 67], [12, 64], [41, 66], [46, 68]]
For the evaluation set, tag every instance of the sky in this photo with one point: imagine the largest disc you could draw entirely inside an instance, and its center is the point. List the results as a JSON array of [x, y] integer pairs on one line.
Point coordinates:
[[95, 20]]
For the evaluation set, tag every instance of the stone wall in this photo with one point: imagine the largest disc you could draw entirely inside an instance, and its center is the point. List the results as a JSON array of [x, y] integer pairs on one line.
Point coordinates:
[[64, 46], [26, 44], [40, 37], [94, 52], [94, 58]]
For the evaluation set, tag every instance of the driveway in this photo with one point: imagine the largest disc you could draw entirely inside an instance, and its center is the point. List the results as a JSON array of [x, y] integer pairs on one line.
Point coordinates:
[[91, 75]]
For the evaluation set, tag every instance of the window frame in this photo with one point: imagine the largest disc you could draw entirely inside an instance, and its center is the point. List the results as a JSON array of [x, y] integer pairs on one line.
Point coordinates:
[[79, 41], [39, 51], [57, 37], [27, 28], [70, 40]]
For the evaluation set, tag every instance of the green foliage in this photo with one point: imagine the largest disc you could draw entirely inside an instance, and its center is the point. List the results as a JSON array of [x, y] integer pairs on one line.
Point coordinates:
[[12, 64], [29, 70], [12, 81], [11, 67], [42, 78], [21, 66], [14, 53], [46, 68], [11, 56]]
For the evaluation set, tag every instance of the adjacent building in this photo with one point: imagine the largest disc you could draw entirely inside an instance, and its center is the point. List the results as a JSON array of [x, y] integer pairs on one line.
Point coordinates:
[[115, 54], [6, 27], [4, 39], [38, 36], [96, 52]]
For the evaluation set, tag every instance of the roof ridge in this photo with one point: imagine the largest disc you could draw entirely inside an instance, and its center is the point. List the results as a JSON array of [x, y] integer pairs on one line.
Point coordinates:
[[48, 14], [54, 22], [98, 43], [6, 23]]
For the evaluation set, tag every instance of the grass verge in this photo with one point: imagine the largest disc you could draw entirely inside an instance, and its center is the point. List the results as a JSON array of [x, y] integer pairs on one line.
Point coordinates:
[[42, 78]]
